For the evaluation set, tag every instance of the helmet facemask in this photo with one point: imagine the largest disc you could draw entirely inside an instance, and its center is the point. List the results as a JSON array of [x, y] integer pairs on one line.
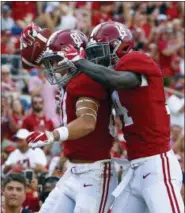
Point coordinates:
[[103, 53], [58, 69], [114, 36]]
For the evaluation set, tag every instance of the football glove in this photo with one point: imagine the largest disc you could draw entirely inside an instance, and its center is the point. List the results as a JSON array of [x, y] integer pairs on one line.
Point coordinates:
[[72, 54], [39, 139], [28, 35]]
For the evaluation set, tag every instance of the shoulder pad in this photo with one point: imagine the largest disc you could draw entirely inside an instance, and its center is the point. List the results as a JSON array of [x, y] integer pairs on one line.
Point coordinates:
[[83, 86], [140, 63]]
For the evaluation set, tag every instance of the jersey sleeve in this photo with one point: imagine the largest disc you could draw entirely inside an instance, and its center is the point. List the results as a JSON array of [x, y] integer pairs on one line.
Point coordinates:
[[139, 63], [83, 86]]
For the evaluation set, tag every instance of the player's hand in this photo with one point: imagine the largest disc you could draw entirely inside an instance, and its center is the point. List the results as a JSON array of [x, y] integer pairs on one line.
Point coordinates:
[[28, 35], [39, 139], [72, 54]]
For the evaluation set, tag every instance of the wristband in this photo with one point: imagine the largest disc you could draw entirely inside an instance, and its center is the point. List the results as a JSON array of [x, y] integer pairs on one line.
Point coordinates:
[[63, 132]]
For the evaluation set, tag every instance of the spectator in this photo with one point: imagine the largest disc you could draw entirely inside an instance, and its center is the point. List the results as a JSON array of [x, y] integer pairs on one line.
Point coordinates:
[[8, 86], [5, 112], [83, 15], [181, 53], [6, 152], [104, 13], [16, 117], [173, 10], [14, 188], [175, 132], [24, 12], [179, 149], [176, 104], [48, 186], [11, 59], [7, 22], [37, 119], [32, 195], [58, 16], [153, 52], [50, 17], [168, 47], [67, 19], [38, 85], [24, 157], [11, 46], [175, 65]]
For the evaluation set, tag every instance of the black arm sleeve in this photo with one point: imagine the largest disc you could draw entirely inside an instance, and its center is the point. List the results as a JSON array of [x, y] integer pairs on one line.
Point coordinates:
[[108, 77]]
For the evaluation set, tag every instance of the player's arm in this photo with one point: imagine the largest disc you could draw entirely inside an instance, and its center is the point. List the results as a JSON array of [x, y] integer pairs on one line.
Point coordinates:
[[108, 77], [84, 124]]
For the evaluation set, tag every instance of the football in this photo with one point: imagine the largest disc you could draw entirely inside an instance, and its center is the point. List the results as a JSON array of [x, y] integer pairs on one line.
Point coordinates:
[[31, 55]]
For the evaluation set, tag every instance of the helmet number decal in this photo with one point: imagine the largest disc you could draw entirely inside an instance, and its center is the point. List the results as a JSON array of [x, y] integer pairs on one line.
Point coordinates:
[[76, 38]]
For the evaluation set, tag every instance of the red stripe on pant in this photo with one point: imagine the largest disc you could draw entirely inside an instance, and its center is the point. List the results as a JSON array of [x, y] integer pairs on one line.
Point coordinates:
[[106, 181], [165, 182], [107, 188], [171, 185]]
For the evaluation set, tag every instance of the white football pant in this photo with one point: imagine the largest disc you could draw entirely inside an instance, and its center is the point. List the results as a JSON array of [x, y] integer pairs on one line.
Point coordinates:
[[150, 185], [84, 188]]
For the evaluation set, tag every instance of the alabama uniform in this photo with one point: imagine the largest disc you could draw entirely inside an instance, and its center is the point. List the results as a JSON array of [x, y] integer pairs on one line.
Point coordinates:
[[86, 187], [152, 182]]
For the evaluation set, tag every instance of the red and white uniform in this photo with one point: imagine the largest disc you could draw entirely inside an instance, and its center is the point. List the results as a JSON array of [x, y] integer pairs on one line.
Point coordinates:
[[153, 172], [146, 119], [89, 182], [85, 148]]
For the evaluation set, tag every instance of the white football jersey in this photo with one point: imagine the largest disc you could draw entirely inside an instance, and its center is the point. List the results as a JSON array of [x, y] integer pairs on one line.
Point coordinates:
[[28, 159]]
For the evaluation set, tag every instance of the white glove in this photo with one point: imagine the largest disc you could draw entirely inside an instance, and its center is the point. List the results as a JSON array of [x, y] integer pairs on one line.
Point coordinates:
[[40, 139]]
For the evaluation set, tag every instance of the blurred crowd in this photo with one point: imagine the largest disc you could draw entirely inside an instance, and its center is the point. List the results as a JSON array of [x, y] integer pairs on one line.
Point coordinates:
[[28, 100]]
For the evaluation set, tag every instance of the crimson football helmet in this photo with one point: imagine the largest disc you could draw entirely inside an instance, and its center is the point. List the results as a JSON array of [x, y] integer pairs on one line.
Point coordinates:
[[108, 42], [58, 43]]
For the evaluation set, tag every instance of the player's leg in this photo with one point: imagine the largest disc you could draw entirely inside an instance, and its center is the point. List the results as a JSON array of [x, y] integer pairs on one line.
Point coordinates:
[[57, 202], [59, 199], [161, 190], [129, 203], [95, 195]]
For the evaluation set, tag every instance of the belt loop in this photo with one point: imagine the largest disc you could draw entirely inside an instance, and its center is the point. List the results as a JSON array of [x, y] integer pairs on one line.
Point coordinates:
[[73, 170]]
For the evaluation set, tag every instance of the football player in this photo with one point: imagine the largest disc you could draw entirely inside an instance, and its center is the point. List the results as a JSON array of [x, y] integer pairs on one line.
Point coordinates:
[[87, 184], [153, 180]]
